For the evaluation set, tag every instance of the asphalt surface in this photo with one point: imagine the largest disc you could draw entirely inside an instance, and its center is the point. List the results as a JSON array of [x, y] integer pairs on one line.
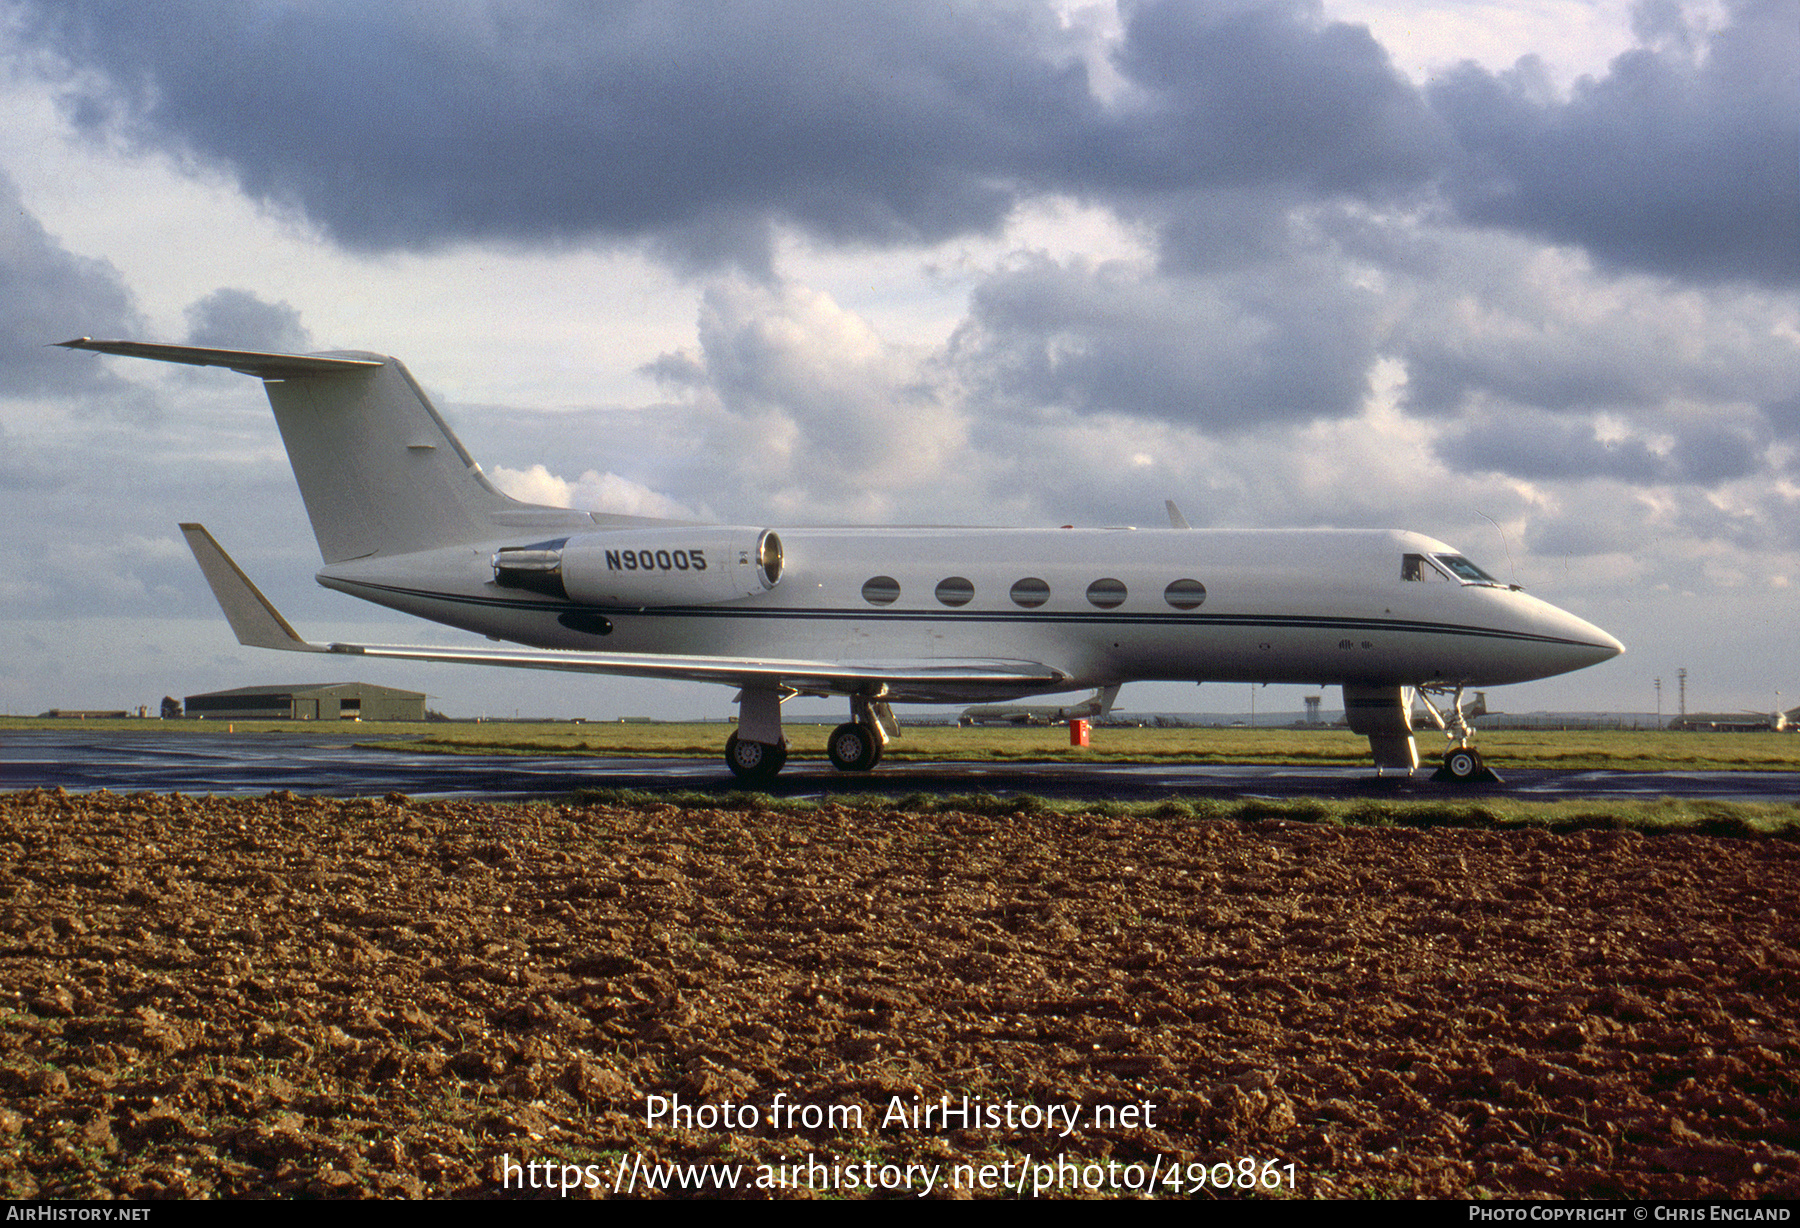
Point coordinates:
[[333, 764]]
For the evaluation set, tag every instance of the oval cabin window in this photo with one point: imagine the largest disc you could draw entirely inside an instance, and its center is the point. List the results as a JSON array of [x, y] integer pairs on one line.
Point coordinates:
[[1108, 594], [1030, 592], [955, 591], [881, 590], [1185, 594]]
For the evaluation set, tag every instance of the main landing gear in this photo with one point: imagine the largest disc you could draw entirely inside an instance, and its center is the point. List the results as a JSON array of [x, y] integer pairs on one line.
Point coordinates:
[[755, 763], [854, 747], [757, 751]]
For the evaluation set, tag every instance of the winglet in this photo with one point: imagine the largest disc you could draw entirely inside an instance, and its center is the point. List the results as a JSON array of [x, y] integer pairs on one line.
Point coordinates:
[[257, 623], [1176, 519]]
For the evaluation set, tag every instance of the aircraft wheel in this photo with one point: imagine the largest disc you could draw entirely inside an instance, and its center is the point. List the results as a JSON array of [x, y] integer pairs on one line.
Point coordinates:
[[754, 762], [1462, 765], [853, 748]]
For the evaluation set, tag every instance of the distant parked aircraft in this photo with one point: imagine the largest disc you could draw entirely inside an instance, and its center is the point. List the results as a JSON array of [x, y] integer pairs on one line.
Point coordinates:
[[1736, 722]]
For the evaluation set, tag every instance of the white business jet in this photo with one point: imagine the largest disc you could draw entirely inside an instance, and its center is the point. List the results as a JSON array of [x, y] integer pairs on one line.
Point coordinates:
[[406, 519]]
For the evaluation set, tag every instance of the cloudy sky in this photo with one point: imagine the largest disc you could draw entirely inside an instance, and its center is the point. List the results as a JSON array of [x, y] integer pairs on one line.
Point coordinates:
[[1519, 274]]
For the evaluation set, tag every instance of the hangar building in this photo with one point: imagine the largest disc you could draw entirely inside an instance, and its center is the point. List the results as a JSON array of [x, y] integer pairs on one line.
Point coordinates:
[[337, 701]]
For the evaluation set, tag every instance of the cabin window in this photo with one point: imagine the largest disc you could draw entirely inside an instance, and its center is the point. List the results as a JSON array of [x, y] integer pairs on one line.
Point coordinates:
[[1108, 594], [955, 591], [1419, 567], [1185, 594], [1030, 593], [881, 590]]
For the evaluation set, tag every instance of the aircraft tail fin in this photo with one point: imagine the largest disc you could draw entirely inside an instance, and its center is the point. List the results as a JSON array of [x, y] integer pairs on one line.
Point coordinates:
[[1106, 695], [379, 470]]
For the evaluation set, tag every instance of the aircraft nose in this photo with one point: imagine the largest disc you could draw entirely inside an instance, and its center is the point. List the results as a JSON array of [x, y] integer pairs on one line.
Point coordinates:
[[1590, 641]]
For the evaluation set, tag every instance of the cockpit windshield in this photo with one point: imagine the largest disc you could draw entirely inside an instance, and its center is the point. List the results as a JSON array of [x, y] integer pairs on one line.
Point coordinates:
[[1464, 570], [1442, 567]]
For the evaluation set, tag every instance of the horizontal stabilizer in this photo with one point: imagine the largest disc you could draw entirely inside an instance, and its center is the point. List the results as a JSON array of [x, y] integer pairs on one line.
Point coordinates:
[[380, 470], [257, 623], [248, 362]]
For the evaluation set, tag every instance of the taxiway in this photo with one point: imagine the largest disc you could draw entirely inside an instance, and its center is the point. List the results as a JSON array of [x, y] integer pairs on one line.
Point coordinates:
[[356, 765]]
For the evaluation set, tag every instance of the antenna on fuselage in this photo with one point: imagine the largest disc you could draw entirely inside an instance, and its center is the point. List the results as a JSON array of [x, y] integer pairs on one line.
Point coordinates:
[[1511, 566]]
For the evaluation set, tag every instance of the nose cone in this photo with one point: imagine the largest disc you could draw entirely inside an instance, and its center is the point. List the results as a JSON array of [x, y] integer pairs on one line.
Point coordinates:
[[1582, 643], [1544, 640]]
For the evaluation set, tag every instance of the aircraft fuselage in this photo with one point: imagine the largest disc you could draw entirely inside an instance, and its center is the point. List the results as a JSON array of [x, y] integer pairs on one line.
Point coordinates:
[[1103, 606]]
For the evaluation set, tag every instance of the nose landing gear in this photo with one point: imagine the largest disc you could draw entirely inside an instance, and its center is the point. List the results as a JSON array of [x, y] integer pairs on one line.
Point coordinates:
[[1462, 765], [1462, 762]]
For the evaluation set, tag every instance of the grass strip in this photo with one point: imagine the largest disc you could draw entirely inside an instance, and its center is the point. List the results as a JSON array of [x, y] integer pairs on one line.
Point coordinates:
[[1664, 816]]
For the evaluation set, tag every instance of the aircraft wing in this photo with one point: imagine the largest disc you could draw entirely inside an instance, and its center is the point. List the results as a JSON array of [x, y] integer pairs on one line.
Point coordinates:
[[258, 624], [927, 675]]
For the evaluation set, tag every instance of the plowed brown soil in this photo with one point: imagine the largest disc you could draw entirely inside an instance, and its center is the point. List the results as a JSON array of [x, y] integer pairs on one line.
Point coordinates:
[[309, 996]]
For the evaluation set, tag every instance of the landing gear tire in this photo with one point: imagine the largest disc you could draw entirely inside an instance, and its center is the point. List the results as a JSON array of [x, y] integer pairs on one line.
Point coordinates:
[[853, 748], [754, 763], [1462, 765]]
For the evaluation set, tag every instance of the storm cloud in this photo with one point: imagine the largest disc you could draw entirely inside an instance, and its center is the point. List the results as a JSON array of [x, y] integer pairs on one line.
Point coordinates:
[[49, 294], [1680, 161], [1241, 93], [1225, 353], [1540, 446], [696, 128], [697, 131], [239, 320]]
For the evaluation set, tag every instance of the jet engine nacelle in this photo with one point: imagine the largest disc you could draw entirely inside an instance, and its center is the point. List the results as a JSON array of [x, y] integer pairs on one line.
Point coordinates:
[[636, 568]]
